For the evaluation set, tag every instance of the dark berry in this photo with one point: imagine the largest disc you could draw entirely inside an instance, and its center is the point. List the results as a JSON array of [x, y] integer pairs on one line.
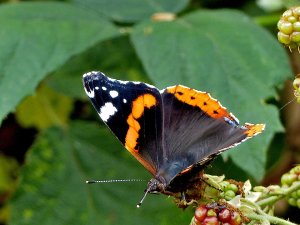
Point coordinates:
[[211, 220], [235, 218], [200, 213], [224, 215]]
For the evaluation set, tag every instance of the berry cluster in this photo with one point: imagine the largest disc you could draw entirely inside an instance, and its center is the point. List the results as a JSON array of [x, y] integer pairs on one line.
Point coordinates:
[[289, 27], [216, 215], [287, 180], [296, 85], [230, 190]]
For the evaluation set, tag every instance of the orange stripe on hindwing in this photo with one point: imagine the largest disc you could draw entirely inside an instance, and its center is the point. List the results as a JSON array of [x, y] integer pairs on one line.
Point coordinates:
[[203, 100], [138, 107]]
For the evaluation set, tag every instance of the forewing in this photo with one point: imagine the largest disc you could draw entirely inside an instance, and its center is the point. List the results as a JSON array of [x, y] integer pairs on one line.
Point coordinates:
[[132, 110]]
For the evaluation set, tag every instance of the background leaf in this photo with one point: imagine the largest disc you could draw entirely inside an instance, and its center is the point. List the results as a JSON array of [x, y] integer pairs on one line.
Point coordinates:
[[36, 38], [53, 181], [105, 56], [46, 108], [225, 53], [132, 10]]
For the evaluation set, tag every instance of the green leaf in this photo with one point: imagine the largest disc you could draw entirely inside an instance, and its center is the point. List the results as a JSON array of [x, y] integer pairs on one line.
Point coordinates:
[[37, 38], [9, 169], [105, 56], [53, 189], [44, 109], [132, 10], [225, 53]]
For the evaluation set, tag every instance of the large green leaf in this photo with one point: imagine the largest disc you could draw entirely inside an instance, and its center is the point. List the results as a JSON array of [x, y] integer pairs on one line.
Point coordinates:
[[105, 56], [225, 53], [132, 10], [53, 189], [37, 38]]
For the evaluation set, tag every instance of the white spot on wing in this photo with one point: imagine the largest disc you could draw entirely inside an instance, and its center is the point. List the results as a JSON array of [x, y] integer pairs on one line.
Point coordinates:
[[113, 94], [123, 81], [91, 94], [124, 100], [107, 111], [104, 88], [96, 88]]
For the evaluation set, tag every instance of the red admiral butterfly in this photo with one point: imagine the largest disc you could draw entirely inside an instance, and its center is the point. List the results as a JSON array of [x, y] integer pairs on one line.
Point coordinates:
[[174, 133]]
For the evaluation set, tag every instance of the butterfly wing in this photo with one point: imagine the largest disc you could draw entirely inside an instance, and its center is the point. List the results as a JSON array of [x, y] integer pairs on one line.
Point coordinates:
[[196, 129], [132, 111]]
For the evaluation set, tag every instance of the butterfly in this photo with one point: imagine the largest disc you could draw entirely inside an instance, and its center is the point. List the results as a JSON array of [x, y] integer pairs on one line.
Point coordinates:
[[174, 133]]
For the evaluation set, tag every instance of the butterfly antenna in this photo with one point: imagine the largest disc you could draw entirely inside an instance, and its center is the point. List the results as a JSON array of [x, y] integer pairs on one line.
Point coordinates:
[[287, 103], [141, 202], [112, 181]]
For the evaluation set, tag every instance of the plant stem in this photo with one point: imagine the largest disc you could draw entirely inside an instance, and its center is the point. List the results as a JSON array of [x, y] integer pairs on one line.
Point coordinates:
[[271, 219], [262, 216], [285, 192]]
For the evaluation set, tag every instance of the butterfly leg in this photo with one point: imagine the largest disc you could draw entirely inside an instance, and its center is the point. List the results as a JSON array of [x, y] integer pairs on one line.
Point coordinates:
[[183, 198]]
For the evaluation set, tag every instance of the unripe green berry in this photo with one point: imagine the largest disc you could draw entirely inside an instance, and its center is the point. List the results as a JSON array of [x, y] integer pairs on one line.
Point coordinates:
[[224, 184], [232, 187], [288, 178], [230, 194], [283, 38], [296, 85], [211, 212], [294, 195], [297, 11], [295, 36], [296, 26], [297, 168], [298, 202], [292, 201], [287, 13], [286, 27], [292, 19]]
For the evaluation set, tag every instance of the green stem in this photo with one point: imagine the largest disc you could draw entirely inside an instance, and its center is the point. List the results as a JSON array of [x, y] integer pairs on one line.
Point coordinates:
[[285, 192], [271, 219], [262, 216]]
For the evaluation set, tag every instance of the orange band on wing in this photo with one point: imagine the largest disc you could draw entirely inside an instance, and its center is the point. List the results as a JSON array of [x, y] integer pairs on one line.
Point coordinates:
[[203, 100], [138, 107], [254, 129]]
